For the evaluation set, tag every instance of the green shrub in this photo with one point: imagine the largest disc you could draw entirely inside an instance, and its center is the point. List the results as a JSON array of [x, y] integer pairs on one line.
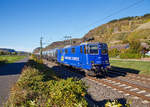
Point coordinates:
[[135, 46], [39, 86], [114, 52], [37, 59], [114, 103], [67, 93], [134, 50]]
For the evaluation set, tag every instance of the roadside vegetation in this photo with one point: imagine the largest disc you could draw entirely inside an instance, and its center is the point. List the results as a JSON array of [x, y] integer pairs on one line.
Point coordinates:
[[133, 52], [39, 86], [10, 58], [141, 66]]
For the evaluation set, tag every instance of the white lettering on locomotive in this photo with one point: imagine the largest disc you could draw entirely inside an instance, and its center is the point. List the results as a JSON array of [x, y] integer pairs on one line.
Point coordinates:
[[72, 58], [69, 58]]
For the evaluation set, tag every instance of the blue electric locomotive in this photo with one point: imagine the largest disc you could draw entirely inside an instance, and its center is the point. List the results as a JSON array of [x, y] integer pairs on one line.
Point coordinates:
[[92, 57]]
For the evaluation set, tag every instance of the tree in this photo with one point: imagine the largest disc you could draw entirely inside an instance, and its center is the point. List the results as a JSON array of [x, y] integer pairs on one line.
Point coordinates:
[[135, 46]]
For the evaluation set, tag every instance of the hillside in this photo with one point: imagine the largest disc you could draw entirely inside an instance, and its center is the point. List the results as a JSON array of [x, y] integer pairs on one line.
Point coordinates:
[[116, 32], [60, 44], [122, 31]]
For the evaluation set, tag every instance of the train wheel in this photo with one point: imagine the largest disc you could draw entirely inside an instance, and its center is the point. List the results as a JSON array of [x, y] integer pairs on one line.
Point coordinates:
[[105, 73]]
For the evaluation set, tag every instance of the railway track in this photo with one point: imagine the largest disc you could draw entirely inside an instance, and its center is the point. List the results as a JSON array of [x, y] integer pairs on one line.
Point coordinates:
[[127, 88], [134, 77], [131, 75], [140, 77], [124, 87]]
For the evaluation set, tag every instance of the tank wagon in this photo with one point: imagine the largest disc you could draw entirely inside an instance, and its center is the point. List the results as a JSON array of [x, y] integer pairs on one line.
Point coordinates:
[[91, 57], [50, 55]]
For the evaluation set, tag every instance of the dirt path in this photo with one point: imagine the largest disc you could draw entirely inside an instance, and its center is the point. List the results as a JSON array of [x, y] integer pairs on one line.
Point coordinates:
[[9, 73]]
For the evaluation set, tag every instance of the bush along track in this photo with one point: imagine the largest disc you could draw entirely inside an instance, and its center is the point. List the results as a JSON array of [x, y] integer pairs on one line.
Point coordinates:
[[39, 86]]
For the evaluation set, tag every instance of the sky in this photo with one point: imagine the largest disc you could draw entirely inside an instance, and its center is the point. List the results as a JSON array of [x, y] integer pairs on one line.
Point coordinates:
[[23, 22]]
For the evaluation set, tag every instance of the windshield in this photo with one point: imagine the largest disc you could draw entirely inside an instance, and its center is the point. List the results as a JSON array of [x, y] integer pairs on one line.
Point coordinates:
[[93, 49], [104, 49]]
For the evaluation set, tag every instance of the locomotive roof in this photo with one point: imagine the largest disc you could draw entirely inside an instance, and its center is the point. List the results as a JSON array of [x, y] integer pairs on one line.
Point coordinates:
[[85, 43], [69, 46], [90, 43]]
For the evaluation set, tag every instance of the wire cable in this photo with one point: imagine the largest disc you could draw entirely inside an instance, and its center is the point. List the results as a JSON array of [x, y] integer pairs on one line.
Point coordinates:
[[114, 13]]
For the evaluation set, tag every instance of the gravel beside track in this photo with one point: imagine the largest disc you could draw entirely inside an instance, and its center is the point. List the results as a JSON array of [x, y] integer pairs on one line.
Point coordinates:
[[98, 93]]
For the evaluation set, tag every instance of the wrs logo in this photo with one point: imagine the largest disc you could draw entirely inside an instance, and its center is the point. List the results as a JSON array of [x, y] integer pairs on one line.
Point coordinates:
[[62, 58]]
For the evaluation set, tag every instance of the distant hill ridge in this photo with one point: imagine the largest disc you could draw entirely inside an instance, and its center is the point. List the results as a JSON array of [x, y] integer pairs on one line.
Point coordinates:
[[115, 32], [7, 50]]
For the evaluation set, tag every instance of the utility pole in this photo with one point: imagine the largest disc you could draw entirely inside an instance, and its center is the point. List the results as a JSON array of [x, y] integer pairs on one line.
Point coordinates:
[[68, 38], [41, 47]]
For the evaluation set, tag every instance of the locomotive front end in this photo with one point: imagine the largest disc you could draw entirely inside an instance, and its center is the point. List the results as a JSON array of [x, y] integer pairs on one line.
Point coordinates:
[[98, 58]]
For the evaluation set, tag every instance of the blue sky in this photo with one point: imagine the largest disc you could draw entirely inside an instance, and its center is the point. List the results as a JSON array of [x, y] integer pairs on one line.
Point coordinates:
[[22, 22]]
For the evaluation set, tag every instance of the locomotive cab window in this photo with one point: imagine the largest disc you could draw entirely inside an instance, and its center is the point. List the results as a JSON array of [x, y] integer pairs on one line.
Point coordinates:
[[73, 50], [93, 49], [84, 49], [81, 51], [66, 51]]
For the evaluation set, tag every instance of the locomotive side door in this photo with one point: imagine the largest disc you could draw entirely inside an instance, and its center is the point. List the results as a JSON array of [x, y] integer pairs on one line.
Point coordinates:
[[104, 54], [58, 55], [83, 57]]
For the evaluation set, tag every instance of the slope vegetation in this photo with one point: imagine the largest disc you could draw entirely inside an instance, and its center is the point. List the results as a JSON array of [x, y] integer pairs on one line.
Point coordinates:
[[122, 31]]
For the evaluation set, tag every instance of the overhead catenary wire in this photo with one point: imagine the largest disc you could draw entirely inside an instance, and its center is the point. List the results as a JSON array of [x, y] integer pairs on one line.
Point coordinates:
[[112, 14]]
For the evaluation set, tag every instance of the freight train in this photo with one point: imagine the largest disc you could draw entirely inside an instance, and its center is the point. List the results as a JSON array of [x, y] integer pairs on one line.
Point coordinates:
[[91, 57]]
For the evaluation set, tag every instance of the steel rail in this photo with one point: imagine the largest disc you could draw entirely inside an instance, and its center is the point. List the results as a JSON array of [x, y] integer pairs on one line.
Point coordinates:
[[119, 88], [133, 76], [130, 84]]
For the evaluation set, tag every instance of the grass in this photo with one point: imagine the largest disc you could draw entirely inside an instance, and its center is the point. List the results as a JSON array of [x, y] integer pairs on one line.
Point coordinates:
[[143, 67], [10, 59]]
